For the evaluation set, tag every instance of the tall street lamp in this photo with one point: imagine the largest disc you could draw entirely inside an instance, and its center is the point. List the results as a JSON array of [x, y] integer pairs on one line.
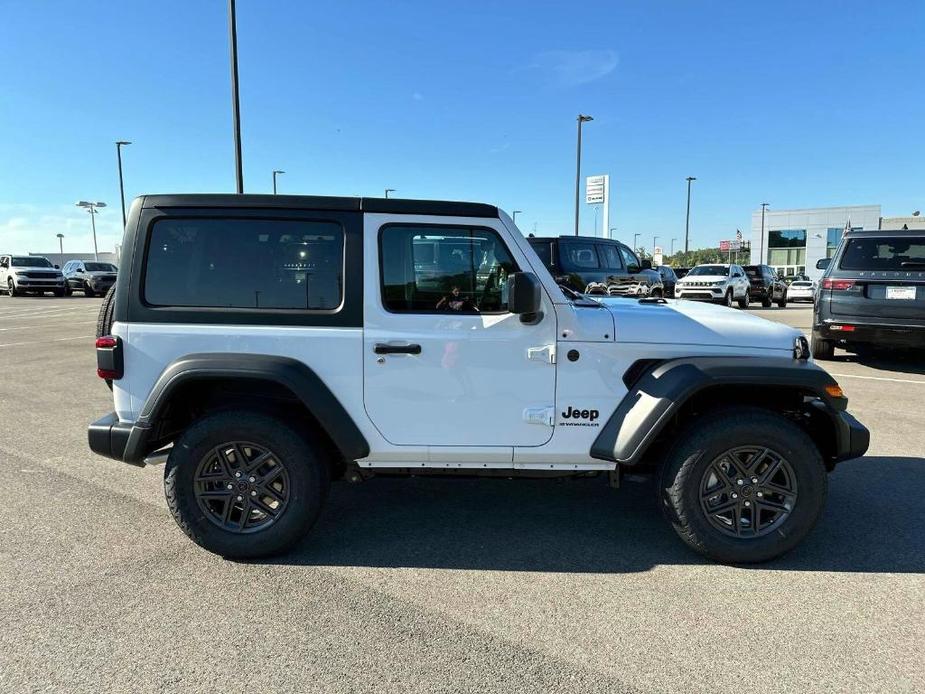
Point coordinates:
[[687, 224], [764, 206], [60, 248], [119, 145], [389, 190], [635, 244], [654, 241], [514, 215], [276, 172], [91, 207], [672, 246], [610, 232], [235, 100], [581, 119]]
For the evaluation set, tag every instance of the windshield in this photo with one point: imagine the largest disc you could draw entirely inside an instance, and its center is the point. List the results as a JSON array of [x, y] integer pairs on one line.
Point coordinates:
[[709, 270], [884, 253], [29, 261], [801, 284], [752, 272], [100, 267]]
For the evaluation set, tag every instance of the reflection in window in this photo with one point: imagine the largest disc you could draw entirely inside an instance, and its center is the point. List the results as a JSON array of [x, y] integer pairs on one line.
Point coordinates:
[[444, 269], [245, 263]]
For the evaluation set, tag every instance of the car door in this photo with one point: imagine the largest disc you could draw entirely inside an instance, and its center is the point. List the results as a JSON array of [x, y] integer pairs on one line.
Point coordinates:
[[445, 363], [616, 277], [637, 275], [582, 265]]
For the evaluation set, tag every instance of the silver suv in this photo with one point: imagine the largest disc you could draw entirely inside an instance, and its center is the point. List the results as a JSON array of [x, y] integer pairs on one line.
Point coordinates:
[[30, 273], [91, 278], [719, 283]]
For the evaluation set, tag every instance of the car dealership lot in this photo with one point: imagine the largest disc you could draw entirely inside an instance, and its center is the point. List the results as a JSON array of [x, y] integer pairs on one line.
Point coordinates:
[[440, 584]]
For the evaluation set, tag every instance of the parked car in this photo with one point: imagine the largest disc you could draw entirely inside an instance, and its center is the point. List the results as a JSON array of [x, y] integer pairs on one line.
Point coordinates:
[[91, 278], [669, 279], [597, 266], [719, 283], [20, 274], [766, 286], [801, 290], [872, 293], [327, 359]]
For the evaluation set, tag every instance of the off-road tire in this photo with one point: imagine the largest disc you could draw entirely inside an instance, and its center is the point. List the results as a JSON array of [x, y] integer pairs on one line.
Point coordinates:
[[307, 467], [821, 348], [708, 436], [743, 302], [104, 319]]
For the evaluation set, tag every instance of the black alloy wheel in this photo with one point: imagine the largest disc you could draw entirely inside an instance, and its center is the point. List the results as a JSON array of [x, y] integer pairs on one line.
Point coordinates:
[[241, 487], [748, 491]]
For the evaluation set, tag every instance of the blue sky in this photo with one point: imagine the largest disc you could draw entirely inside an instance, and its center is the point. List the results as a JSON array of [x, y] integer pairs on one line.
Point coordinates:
[[799, 104]]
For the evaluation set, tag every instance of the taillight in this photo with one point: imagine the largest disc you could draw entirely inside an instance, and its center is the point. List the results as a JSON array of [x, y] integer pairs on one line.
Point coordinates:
[[109, 357], [837, 285]]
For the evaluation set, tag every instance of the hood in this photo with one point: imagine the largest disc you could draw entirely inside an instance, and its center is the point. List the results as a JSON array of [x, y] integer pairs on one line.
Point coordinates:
[[100, 273], [36, 270], [688, 279], [682, 322]]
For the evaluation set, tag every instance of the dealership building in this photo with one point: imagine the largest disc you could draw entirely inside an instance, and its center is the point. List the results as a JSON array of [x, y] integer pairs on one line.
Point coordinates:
[[793, 240]]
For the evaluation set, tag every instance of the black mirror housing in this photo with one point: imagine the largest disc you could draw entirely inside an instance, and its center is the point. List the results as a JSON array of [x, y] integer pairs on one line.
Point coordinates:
[[823, 263], [646, 264], [524, 297]]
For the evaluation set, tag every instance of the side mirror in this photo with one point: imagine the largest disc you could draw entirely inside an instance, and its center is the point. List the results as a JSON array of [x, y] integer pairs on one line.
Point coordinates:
[[524, 296], [57, 267], [823, 263], [646, 264]]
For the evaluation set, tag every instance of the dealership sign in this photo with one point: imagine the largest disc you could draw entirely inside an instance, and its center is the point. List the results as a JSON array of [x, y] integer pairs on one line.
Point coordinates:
[[596, 189]]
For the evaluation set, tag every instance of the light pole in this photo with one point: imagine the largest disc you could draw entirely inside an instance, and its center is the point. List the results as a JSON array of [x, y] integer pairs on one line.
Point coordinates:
[[235, 100], [635, 246], [687, 224], [389, 190], [60, 248], [654, 241], [581, 119], [276, 172], [514, 215], [119, 145], [672, 246], [610, 232], [91, 207], [764, 206]]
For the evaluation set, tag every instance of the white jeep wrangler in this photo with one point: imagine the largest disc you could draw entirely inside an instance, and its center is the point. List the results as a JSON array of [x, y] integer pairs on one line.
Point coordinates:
[[269, 344]]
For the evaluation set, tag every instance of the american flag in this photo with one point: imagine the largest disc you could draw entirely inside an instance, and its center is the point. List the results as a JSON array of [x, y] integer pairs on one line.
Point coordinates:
[[738, 234]]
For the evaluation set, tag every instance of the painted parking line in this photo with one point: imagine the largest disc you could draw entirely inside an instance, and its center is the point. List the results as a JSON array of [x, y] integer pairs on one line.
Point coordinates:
[[878, 378], [38, 326], [47, 313], [45, 342]]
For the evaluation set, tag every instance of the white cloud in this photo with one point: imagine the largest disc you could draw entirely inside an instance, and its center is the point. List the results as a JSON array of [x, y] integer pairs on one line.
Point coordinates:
[[30, 229], [573, 68]]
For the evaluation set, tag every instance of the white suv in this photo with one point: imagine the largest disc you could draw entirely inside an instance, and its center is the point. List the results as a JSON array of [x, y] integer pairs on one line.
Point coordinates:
[[29, 273], [719, 283], [266, 345]]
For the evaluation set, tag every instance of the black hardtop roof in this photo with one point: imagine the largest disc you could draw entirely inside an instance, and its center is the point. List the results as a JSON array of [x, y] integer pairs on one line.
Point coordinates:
[[446, 208], [572, 237]]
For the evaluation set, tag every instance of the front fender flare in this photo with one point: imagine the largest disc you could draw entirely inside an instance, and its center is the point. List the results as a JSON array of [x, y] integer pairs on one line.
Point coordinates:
[[663, 388]]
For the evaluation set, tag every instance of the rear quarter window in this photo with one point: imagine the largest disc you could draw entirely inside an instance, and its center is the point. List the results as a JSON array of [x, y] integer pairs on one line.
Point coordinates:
[[245, 263]]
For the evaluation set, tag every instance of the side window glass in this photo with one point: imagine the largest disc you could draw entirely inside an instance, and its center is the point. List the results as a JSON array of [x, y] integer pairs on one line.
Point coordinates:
[[430, 269], [245, 263], [632, 262], [610, 256], [579, 255]]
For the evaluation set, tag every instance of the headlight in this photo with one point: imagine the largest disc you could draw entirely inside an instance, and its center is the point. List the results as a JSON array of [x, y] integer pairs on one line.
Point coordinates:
[[800, 348]]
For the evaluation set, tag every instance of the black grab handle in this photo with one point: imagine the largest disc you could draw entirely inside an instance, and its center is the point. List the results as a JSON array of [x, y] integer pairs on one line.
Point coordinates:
[[397, 349]]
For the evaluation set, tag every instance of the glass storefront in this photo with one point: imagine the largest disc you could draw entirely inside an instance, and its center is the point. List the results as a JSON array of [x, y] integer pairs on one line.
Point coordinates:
[[787, 251]]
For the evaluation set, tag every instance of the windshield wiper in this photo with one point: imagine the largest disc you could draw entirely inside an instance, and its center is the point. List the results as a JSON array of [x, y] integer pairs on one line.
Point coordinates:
[[577, 297], [912, 263]]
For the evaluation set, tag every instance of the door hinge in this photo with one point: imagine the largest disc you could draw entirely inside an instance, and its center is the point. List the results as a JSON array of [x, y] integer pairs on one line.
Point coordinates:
[[544, 416], [547, 354]]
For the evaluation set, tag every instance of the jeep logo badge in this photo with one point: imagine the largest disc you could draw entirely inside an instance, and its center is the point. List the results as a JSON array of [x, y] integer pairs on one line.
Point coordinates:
[[588, 417]]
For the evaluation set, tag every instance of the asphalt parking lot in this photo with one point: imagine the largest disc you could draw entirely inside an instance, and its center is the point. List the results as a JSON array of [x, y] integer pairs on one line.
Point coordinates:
[[440, 585]]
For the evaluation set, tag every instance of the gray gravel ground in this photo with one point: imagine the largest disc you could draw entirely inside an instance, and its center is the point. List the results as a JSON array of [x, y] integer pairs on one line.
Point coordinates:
[[439, 585]]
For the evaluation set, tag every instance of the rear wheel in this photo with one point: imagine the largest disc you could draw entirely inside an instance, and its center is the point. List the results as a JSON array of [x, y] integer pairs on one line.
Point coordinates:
[[766, 300], [744, 487], [104, 319], [243, 484], [822, 349]]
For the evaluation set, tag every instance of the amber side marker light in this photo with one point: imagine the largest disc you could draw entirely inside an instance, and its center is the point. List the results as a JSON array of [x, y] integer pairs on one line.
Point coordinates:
[[835, 391]]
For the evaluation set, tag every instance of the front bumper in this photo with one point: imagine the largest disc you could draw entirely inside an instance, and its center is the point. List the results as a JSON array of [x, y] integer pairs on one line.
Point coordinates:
[[118, 440], [700, 293], [851, 438], [28, 283]]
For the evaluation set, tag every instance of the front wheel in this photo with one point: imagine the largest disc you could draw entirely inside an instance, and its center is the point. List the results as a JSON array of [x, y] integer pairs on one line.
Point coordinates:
[[729, 300], [782, 302], [743, 485], [243, 484], [743, 302], [766, 300], [87, 291]]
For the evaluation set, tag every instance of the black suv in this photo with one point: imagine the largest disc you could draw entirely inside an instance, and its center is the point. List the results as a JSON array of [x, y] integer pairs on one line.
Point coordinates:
[[872, 293], [597, 266], [766, 286]]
